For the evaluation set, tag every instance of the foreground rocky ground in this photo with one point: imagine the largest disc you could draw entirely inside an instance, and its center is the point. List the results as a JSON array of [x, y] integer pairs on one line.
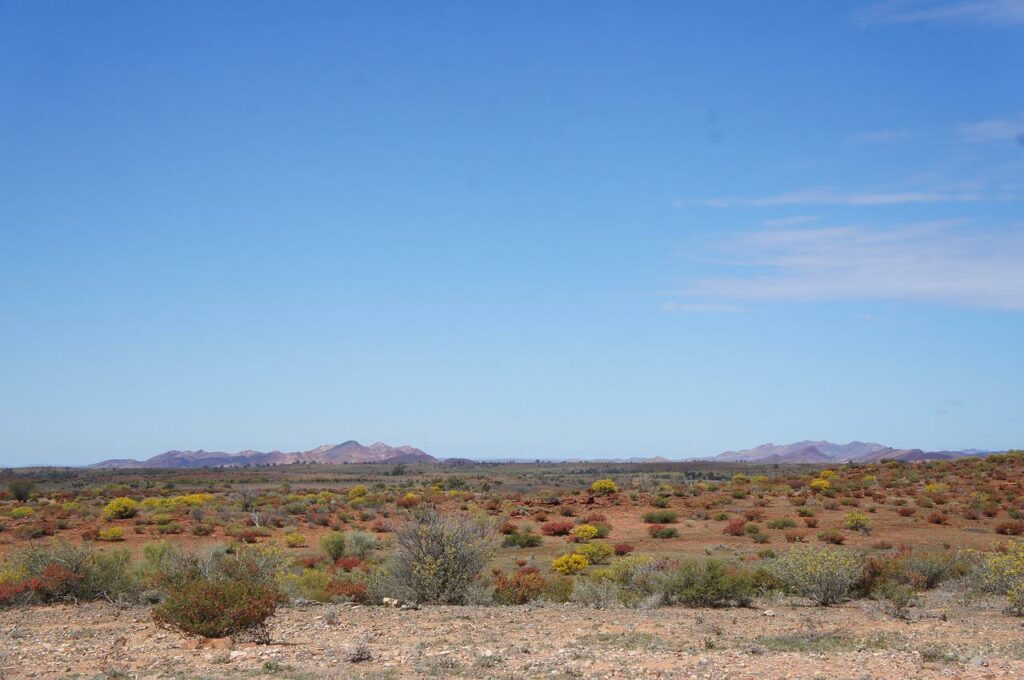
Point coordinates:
[[949, 638]]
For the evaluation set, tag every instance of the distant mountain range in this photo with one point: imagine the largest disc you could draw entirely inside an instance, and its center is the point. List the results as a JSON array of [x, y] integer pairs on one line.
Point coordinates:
[[824, 452], [346, 452], [812, 452]]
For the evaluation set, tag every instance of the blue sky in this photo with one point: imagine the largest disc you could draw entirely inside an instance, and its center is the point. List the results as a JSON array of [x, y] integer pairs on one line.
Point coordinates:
[[528, 229]]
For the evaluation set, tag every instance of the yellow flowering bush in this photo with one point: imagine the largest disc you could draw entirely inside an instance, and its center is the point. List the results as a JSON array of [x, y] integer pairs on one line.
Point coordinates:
[[121, 508], [603, 487], [858, 521], [112, 534], [570, 564], [357, 492], [597, 553], [1003, 573], [295, 540], [820, 485], [22, 512], [585, 532]]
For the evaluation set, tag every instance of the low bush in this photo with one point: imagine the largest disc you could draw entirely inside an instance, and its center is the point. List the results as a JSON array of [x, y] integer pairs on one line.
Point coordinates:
[[333, 545], [662, 531], [111, 534], [295, 540], [524, 585], [437, 558], [833, 536], [707, 583], [781, 523], [661, 516], [557, 528], [825, 575], [585, 532], [597, 552], [521, 540], [604, 487], [734, 527], [220, 608], [569, 564], [1002, 573], [857, 521], [121, 508], [1010, 528], [360, 543]]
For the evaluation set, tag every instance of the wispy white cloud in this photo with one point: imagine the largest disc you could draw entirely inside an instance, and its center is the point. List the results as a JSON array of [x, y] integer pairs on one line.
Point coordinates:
[[992, 130], [790, 221], [941, 262], [986, 12], [881, 136], [699, 307], [824, 196]]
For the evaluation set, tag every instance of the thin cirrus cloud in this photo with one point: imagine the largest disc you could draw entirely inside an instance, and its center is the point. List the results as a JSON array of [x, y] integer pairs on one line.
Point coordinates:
[[984, 12], [941, 262], [993, 130], [831, 197], [879, 136]]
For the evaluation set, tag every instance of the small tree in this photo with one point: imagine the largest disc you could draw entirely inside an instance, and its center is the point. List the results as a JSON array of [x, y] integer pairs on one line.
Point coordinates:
[[437, 558]]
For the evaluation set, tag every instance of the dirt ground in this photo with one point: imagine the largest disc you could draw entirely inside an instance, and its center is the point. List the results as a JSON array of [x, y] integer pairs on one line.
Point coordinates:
[[949, 637]]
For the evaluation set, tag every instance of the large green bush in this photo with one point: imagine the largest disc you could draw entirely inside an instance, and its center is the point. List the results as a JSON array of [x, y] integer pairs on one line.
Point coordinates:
[[707, 583], [437, 558], [825, 575], [220, 608]]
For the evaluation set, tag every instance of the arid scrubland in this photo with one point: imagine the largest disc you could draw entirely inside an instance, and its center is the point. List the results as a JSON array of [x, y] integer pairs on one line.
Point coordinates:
[[545, 570]]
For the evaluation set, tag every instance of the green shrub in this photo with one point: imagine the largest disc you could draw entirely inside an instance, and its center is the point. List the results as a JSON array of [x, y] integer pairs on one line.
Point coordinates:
[[22, 512], [662, 531], [333, 545], [825, 575], [559, 589], [707, 583], [858, 521], [781, 523], [360, 543], [660, 516], [597, 553], [295, 540], [1003, 574], [220, 608], [111, 534], [521, 540], [61, 571], [437, 558], [21, 489]]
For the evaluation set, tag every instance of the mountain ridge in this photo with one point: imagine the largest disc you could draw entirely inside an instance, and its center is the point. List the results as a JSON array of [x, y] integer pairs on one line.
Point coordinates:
[[825, 452], [349, 451]]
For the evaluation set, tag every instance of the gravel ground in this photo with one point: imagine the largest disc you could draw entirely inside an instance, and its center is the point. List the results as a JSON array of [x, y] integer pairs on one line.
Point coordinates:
[[948, 639]]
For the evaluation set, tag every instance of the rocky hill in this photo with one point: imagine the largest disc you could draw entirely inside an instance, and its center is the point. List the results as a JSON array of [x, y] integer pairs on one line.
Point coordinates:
[[346, 452]]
